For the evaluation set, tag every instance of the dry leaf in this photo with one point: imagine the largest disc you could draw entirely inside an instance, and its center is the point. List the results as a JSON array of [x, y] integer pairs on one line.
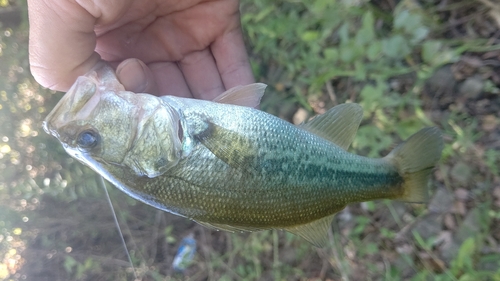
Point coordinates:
[[449, 222]]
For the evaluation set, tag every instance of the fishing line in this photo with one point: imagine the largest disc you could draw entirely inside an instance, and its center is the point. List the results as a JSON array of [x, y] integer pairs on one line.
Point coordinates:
[[100, 182]]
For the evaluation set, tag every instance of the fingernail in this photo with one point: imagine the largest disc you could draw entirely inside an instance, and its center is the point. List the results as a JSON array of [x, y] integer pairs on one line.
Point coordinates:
[[132, 73]]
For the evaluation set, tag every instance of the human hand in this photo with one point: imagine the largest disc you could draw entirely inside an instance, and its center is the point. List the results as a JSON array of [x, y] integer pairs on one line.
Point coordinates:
[[189, 48]]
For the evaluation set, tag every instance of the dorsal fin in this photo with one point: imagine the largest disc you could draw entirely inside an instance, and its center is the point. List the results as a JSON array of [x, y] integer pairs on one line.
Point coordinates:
[[248, 95], [338, 125], [315, 232]]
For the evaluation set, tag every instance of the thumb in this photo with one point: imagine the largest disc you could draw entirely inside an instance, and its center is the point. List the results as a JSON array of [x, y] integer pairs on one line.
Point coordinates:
[[136, 77]]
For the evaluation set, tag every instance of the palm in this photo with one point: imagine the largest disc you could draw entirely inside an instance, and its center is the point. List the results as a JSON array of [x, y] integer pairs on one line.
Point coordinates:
[[155, 33], [190, 48]]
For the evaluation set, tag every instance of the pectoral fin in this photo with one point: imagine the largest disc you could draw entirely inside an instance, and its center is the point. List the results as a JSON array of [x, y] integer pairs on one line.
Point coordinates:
[[248, 95], [233, 148], [337, 125]]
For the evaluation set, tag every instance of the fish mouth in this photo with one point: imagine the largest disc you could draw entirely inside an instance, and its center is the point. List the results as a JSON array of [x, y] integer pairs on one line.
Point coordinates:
[[69, 105], [82, 97]]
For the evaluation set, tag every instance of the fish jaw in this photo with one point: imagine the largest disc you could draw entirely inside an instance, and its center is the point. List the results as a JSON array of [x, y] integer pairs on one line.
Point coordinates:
[[81, 97], [71, 103]]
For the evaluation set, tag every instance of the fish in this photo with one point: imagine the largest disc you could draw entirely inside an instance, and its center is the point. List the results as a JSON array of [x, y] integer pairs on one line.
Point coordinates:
[[229, 166]]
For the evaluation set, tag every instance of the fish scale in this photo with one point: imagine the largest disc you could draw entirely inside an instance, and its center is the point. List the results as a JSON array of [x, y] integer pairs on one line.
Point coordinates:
[[233, 167]]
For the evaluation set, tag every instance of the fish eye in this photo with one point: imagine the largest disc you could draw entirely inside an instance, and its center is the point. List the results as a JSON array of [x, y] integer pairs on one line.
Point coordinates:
[[87, 139]]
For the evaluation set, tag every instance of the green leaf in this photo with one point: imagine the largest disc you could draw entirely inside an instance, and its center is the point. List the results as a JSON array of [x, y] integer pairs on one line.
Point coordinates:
[[347, 53], [469, 277], [426, 245], [309, 36], [263, 14], [320, 6], [371, 248], [368, 20], [387, 233], [395, 47], [407, 21], [69, 263], [400, 19], [419, 34], [463, 261], [367, 33], [372, 139], [360, 70], [430, 50], [371, 95], [331, 54], [344, 34], [374, 50]]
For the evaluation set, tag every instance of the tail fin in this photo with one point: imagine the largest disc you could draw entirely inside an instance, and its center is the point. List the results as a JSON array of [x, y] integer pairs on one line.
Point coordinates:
[[415, 159]]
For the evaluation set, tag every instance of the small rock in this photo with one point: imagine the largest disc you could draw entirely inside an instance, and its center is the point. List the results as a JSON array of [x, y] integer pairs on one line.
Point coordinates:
[[300, 116], [469, 227], [439, 174], [442, 201], [496, 194], [472, 87], [280, 87], [429, 226], [406, 249], [317, 105], [474, 62], [488, 265], [489, 123], [345, 215], [462, 194], [459, 208], [461, 173], [449, 251], [442, 82], [444, 239], [447, 246]]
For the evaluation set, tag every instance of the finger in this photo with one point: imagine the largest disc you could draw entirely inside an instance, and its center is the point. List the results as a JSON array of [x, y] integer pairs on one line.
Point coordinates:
[[62, 38], [232, 59], [61, 43], [135, 76], [202, 75], [169, 79]]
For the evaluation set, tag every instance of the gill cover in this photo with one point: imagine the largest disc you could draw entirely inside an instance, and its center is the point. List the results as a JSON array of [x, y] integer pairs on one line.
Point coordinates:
[[157, 146]]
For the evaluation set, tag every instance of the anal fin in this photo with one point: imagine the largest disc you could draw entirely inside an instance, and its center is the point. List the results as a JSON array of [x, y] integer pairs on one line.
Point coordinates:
[[315, 232]]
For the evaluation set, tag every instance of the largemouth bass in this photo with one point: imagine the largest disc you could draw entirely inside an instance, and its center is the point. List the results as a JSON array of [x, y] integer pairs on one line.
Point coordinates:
[[234, 167]]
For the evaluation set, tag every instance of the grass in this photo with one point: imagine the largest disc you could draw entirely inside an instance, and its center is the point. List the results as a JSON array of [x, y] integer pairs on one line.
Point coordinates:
[[409, 65]]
